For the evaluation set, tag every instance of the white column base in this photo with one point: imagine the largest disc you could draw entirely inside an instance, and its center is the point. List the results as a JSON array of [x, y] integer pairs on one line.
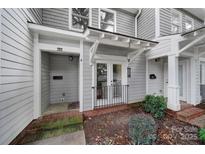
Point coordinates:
[[173, 98]]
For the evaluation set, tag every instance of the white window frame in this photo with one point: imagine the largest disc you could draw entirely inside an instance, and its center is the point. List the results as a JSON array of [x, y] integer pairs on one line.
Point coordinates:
[[110, 11], [70, 20], [192, 22], [180, 16]]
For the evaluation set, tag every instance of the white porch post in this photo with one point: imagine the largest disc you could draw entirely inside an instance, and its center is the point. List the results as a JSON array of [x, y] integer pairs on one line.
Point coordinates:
[[94, 88], [173, 86], [195, 78], [81, 76], [37, 77], [147, 76]]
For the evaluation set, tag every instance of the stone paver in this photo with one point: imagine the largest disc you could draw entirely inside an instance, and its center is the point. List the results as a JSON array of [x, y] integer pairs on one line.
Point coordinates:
[[76, 138]]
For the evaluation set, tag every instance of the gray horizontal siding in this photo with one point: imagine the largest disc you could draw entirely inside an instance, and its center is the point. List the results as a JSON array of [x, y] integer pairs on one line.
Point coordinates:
[[165, 20], [61, 65], [45, 81], [36, 14], [59, 18], [146, 24], [56, 17], [95, 18], [137, 82], [16, 92], [125, 23]]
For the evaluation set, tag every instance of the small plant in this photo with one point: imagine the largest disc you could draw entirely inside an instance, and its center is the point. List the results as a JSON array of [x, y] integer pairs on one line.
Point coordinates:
[[155, 105], [202, 135], [142, 129]]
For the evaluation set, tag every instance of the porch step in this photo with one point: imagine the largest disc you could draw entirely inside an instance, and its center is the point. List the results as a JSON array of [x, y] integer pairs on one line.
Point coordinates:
[[185, 105], [190, 113], [101, 111]]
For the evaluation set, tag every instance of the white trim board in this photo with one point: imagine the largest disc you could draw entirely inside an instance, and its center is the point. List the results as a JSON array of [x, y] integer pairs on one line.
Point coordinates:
[[157, 22], [54, 48], [44, 30], [0, 45]]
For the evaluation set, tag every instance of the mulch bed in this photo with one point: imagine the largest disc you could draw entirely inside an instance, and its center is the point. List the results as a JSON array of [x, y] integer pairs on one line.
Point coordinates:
[[112, 128]]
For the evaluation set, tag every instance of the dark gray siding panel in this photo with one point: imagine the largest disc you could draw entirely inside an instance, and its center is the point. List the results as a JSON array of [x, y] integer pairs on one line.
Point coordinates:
[[146, 24], [56, 17], [16, 92], [45, 81]]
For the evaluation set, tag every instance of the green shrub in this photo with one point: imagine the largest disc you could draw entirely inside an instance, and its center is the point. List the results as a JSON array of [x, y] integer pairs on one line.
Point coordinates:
[[202, 134], [155, 105], [142, 129]]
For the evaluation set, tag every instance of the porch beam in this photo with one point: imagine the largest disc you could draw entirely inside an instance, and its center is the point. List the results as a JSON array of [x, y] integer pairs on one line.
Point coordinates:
[[173, 85], [192, 43], [115, 38], [93, 51]]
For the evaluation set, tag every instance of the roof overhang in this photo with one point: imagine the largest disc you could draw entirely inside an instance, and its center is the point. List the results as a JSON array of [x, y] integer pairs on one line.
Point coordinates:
[[194, 38], [98, 36], [49, 31], [117, 39]]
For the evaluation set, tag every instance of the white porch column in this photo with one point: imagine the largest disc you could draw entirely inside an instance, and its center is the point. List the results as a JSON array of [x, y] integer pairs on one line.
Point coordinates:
[[195, 78], [37, 78], [147, 76], [94, 88], [173, 86], [81, 76]]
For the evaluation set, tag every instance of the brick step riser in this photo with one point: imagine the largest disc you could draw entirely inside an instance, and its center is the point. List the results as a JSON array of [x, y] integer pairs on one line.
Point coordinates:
[[187, 119]]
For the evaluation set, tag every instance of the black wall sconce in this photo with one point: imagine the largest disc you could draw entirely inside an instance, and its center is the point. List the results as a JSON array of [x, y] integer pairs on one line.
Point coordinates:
[[152, 76]]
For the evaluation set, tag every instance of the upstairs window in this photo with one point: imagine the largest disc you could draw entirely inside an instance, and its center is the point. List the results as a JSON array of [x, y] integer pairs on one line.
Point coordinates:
[[176, 22], [80, 18], [189, 23], [107, 20]]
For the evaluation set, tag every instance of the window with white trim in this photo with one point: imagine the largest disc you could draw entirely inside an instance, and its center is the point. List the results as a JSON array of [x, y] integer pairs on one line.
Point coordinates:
[[80, 18], [107, 20], [189, 23], [176, 22]]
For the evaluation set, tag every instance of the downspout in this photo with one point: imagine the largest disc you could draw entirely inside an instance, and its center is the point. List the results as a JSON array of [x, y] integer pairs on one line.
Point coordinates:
[[136, 18]]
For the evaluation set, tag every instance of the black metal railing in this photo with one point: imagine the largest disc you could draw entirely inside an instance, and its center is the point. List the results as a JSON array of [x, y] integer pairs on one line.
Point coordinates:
[[106, 96]]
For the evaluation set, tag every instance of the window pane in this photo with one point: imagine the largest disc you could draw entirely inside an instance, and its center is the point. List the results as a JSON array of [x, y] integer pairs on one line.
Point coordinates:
[[107, 27], [80, 18], [107, 17], [188, 25], [81, 11], [175, 29]]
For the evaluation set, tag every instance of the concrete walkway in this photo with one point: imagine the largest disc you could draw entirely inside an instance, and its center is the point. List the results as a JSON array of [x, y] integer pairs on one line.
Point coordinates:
[[76, 138]]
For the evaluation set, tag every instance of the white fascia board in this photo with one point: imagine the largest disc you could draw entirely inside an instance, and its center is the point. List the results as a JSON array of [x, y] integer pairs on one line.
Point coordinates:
[[54, 48], [44, 30]]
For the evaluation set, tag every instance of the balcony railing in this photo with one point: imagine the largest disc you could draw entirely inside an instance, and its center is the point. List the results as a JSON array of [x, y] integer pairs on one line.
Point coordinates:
[[106, 96]]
